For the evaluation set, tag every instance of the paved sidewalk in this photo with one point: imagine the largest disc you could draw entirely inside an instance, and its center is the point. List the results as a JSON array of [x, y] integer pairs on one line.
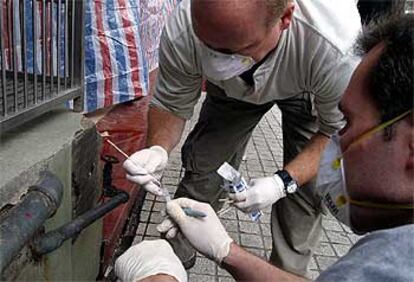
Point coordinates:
[[264, 156]]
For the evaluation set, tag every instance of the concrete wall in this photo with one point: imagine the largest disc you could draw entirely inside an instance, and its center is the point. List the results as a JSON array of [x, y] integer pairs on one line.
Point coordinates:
[[66, 144]]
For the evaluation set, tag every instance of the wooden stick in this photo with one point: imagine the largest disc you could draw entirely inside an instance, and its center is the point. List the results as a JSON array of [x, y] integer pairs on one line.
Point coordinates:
[[226, 201], [223, 211], [117, 148]]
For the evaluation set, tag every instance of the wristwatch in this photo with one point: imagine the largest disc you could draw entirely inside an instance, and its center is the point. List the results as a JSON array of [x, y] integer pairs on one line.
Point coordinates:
[[290, 184]]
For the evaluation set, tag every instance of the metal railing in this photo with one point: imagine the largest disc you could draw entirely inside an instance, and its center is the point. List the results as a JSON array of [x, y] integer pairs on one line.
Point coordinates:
[[41, 58]]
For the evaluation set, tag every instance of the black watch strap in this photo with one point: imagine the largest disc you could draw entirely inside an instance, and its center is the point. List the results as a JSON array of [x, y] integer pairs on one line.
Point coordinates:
[[290, 184]]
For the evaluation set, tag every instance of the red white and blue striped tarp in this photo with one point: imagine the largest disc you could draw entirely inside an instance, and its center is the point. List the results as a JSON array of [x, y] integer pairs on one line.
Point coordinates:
[[11, 33], [121, 44]]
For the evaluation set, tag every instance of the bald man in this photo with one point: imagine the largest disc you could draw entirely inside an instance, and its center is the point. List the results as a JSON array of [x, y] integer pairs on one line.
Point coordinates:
[[254, 54]]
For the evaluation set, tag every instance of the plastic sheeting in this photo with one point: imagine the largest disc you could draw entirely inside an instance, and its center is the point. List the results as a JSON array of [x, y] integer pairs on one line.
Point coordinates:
[[121, 48], [121, 44], [12, 25]]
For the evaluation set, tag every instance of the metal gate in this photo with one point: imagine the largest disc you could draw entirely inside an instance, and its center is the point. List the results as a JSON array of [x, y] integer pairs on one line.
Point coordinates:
[[41, 57]]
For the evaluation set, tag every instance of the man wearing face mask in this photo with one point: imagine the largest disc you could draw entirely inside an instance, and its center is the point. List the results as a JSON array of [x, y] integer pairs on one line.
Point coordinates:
[[254, 54], [366, 175]]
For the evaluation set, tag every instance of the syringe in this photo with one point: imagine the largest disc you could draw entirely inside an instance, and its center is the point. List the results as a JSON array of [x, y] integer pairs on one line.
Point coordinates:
[[187, 211]]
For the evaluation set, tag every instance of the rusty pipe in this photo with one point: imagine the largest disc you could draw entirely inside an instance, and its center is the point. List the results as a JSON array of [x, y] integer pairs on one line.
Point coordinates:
[[21, 223]]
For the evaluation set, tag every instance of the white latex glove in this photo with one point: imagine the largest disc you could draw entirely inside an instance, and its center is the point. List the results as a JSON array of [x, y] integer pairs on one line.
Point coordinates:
[[145, 168], [207, 234], [149, 258], [262, 192]]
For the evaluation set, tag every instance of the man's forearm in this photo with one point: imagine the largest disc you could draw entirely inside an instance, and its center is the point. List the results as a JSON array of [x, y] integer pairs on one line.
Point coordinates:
[[305, 166], [164, 129], [244, 266]]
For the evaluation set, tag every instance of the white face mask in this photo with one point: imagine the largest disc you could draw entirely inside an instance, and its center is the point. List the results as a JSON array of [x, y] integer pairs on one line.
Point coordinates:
[[331, 182], [331, 179], [219, 66]]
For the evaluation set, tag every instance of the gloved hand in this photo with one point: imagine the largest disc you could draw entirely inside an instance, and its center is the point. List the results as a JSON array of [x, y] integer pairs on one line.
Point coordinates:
[[262, 193], [207, 234], [149, 258], [145, 168]]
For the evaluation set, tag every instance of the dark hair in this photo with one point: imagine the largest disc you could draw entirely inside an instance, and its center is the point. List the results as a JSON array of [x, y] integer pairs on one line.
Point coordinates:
[[391, 79], [371, 9]]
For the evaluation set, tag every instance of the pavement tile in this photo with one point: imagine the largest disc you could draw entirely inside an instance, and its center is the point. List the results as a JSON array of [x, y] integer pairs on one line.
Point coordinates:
[[332, 225], [156, 217], [258, 252], [230, 225], [255, 174], [231, 214], [204, 266], [324, 238], [144, 216], [158, 207], [225, 279], [325, 262], [268, 242], [252, 156], [222, 272], [267, 157], [354, 238], [160, 200], [141, 228], [152, 230], [266, 229], [170, 180], [249, 227], [174, 162], [248, 240], [271, 171], [147, 206], [170, 187], [254, 169], [137, 240], [235, 236], [341, 249], [242, 216], [347, 229], [325, 249], [266, 163], [150, 238], [254, 165], [201, 278], [267, 210], [265, 218], [171, 173], [313, 274], [312, 264], [338, 237]]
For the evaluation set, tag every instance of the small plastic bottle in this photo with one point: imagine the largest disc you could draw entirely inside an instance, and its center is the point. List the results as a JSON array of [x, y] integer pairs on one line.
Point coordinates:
[[235, 183]]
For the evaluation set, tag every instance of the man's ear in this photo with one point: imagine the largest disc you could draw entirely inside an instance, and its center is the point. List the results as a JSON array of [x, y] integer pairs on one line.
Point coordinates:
[[287, 15]]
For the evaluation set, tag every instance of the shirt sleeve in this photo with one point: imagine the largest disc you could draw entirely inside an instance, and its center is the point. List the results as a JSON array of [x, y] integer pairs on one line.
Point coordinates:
[[334, 73], [386, 255], [178, 85]]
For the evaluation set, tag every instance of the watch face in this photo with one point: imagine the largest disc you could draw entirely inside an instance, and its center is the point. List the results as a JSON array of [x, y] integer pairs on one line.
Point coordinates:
[[291, 188]]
